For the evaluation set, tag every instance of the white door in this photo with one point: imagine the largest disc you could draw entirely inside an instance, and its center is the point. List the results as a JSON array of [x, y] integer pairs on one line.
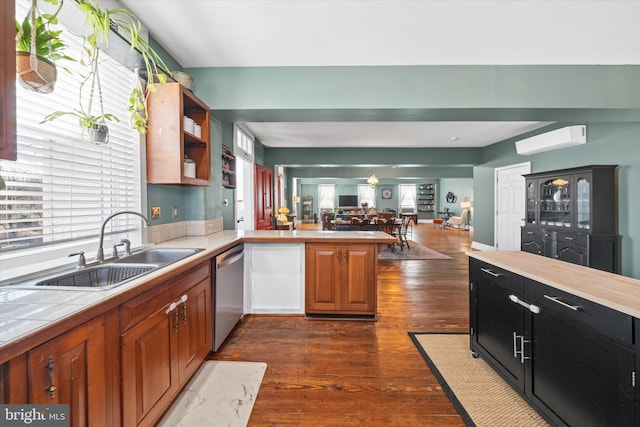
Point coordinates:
[[510, 205], [244, 194]]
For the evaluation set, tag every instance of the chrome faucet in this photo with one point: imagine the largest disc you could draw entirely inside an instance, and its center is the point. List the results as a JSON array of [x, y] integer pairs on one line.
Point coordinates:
[[100, 254]]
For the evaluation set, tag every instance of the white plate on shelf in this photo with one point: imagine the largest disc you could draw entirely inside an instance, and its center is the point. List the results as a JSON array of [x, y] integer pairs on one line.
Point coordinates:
[[557, 196]]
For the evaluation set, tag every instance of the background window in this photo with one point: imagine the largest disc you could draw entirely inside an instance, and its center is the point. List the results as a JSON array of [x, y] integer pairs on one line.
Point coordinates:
[[407, 198], [366, 194]]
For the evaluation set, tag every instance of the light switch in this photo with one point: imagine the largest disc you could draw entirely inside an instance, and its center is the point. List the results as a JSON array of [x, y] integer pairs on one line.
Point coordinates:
[[175, 212]]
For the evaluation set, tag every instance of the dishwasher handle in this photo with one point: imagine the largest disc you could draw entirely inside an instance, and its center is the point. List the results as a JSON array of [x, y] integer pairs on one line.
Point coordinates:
[[229, 257]]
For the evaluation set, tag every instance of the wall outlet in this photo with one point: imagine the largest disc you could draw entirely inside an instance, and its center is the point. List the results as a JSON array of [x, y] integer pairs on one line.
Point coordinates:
[[175, 212], [226, 202], [155, 212]]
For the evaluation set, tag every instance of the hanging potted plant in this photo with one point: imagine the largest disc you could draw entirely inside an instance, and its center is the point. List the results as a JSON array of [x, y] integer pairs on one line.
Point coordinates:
[[37, 49], [94, 127], [100, 22]]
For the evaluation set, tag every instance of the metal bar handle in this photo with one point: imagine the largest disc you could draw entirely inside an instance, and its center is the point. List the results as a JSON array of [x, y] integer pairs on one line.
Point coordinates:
[[51, 389], [486, 270], [515, 345], [522, 343], [562, 303], [532, 308], [183, 300], [229, 257]]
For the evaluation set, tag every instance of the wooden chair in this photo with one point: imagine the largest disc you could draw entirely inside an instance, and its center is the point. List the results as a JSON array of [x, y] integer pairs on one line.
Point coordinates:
[[326, 221], [402, 233]]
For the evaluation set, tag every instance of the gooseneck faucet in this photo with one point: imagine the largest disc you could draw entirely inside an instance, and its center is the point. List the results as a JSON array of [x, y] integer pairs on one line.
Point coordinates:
[[100, 254]]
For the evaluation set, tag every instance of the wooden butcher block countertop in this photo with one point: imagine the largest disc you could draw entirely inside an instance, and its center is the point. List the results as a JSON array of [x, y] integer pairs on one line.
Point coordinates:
[[611, 290]]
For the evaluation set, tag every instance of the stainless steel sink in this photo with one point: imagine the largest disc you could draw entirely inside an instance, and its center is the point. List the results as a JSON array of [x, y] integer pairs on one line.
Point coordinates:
[[104, 276], [107, 275], [160, 256]]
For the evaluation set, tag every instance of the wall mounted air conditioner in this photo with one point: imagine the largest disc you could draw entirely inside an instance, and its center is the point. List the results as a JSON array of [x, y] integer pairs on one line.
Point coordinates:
[[560, 138]]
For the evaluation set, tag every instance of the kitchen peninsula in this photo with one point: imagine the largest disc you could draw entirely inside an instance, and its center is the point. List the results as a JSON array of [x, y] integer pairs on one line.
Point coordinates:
[[47, 334], [566, 337]]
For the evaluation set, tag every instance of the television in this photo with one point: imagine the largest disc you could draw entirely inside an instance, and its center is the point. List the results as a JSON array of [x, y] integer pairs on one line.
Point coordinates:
[[345, 201]]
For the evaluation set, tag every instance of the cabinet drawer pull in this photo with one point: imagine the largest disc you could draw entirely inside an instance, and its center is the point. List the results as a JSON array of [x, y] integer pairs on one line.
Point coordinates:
[[532, 308], [568, 238], [562, 303], [486, 270], [51, 389]]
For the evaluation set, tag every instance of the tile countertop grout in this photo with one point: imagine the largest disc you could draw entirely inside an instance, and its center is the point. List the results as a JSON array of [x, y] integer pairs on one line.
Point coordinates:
[[614, 291], [72, 303]]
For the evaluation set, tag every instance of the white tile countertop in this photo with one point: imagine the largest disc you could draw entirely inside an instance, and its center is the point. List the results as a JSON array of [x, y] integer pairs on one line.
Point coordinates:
[[24, 312]]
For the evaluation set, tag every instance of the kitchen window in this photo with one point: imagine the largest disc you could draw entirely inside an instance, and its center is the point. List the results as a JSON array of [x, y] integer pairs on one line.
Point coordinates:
[[60, 188]]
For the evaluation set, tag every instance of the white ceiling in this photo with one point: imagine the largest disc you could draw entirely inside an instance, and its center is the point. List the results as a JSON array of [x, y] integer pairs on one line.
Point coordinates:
[[388, 134], [233, 33]]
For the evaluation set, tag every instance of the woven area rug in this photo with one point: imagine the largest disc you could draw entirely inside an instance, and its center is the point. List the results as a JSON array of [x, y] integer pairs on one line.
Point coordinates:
[[221, 393], [416, 252], [478, 393]]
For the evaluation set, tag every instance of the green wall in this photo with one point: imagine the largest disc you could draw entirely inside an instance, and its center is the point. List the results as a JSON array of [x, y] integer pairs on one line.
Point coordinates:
[[607, 143], [606, 98]]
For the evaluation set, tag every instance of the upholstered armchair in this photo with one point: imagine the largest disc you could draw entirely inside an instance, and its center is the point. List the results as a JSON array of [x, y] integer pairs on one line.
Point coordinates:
[[458, 221]]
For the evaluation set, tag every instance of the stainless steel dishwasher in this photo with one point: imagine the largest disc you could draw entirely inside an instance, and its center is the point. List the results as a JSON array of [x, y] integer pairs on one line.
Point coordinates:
[[229, 293]]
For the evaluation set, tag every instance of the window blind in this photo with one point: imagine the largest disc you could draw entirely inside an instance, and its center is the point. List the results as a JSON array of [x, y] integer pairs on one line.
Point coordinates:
[[61, 188]]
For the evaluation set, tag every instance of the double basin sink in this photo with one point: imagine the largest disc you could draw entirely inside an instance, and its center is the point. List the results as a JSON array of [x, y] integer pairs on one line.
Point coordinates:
[[109, 274]]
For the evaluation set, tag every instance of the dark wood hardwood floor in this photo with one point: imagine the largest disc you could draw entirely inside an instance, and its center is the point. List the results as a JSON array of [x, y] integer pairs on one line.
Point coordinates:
[[362, 373]]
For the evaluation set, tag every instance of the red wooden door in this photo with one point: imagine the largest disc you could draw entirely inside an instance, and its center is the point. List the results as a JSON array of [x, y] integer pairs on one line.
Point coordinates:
[[263, 205]]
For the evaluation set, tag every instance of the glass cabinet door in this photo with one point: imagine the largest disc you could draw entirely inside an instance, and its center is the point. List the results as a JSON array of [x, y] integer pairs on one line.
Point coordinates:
[[556, 202], [532, 201], [583, 201]]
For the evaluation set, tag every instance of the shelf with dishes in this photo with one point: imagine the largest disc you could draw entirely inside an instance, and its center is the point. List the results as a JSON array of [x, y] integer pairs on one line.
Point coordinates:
[[228, 168]]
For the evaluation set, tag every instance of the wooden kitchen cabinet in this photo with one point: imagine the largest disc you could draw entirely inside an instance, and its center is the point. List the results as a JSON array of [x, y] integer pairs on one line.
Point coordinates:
[[75, 368], [572, 359], [169, 141], [340, 279], [166, 335], [7, 82]]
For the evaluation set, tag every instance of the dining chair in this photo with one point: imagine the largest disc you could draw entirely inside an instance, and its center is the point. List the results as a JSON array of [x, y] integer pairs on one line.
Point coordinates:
[[402, 232]]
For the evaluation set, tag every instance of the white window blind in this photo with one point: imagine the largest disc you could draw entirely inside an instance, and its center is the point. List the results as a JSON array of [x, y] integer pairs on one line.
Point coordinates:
[[366, 194], [60, 188], [326, 196], [407, 197]]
